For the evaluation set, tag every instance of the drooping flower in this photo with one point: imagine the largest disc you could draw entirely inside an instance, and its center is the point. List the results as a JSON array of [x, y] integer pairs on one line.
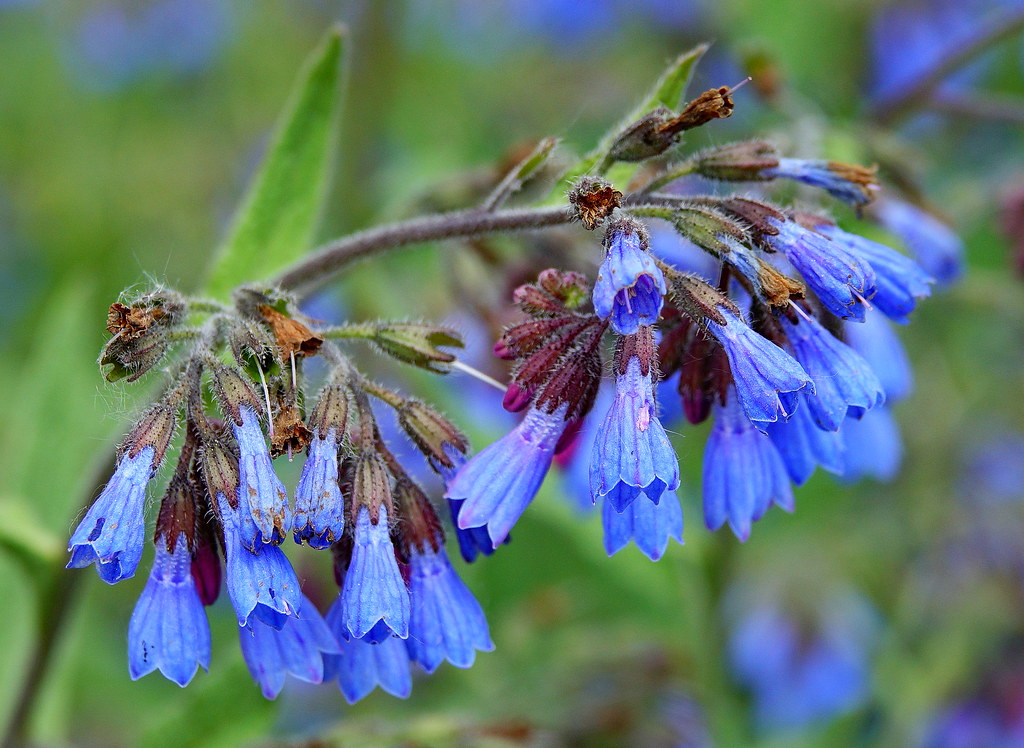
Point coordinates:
[[766, 377], [374, 591], [630, 287], [262, 584], [851, 184], [840, 279], [743, 473], [803, 445], [298, 648], [112, 534], [899, 281], [362, 666], [935, 245], [260, 488], [843, 380], [446, 622], [319, 507], [872, 446], [632, 453], [499, 483], [168, 630], [877, 342], [647, 524]]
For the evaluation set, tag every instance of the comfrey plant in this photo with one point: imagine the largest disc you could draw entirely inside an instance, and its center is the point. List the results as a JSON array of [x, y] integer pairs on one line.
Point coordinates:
[[765, 345]]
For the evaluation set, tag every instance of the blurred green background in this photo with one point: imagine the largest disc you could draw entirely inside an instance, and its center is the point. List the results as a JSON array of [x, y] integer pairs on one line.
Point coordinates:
[[128, 132]]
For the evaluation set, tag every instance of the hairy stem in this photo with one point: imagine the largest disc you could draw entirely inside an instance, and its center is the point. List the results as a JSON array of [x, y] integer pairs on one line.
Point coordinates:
[[315, 270]]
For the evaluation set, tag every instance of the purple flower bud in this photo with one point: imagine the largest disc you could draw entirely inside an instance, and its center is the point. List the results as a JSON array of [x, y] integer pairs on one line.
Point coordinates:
[[298, 648], [766, 377], [629, 287], [447, 622], [500, 482], [647, 524], [319, 506], [112, 534], [743, 473], [168, 629], [632, 453], [374, 590]]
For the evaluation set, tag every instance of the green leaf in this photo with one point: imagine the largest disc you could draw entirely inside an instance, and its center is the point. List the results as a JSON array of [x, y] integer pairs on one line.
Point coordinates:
[[667, 92], [279, 214]]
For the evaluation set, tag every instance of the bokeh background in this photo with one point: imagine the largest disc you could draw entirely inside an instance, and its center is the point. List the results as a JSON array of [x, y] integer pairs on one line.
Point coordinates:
[[879, 613]]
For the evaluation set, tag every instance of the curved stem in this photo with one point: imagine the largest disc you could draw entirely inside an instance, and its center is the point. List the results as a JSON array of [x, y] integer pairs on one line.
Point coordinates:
[[677, 172], [315, 270]]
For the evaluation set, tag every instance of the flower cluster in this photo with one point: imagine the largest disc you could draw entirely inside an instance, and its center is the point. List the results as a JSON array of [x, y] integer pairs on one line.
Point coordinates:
[[781, 339]]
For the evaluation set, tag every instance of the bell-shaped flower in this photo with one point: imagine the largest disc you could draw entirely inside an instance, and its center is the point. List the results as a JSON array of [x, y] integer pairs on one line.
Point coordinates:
[[872, 446], [363, 666], [498, 484], [447, 622], [113, 532], [843, 380], [259, 487], [647, 524], [298, 648], [851, 184], [877, 342], [374, 591], [803, 445], [168, 630], [935, 246], [766, 377], [630, 287], [743, 473], [319, 507], [632, 453]]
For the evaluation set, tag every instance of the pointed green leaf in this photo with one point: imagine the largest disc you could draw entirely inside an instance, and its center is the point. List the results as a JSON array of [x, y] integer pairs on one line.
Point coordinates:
[[667, 92], [278, 216]]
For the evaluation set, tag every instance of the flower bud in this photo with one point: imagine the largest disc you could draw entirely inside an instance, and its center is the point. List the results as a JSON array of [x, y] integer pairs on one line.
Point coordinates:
[[698, 299], [738, 162], [431, 432], [333, 410], [233, 392], [155, 429], [417, 343], [219, 467], [371, 485]]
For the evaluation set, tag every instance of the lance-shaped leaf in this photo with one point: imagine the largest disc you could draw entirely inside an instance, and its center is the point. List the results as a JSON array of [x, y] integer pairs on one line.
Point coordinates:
[[667, 92], [278, 216]]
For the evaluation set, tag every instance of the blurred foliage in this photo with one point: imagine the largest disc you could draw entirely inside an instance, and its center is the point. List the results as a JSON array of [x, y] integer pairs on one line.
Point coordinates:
[[112, 180]]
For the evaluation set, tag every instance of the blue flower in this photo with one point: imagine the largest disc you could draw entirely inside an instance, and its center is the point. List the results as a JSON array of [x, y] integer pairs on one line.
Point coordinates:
[[629, 286], [113, 532], [319, 507], [803, 445], [447, 622], [259, 487], [877, 342], [801, 672], [843, 380], [499, 483], [872, 446], [298, 648], [632, 453], [262, 584], [168, 630], [840, 279], [935, 245], [982, 722], [743, 473], [766, 377], [647, 524], [374, 590], [899, 281], [473, 540], [830, 176], [362, 666]]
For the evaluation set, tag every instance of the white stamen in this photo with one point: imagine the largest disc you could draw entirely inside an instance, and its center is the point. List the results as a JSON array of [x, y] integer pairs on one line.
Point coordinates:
[[266, 396], [738, 86], [467, 369]]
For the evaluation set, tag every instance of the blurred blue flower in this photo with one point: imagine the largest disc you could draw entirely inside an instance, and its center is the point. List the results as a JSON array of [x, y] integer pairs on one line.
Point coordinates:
[[825, 175], [113, 532], [976, 723], [168, 630], [374, 590], [115, 44], [935, 245], [872, 446], [446, 621], [362, 666], [876, 341], [298, 648], [802, 669], [632, 453], [803, 444], [743, 474]]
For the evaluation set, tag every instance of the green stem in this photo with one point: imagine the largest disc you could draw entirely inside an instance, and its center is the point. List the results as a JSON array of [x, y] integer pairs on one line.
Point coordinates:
[[348, 332], [677, 172]]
